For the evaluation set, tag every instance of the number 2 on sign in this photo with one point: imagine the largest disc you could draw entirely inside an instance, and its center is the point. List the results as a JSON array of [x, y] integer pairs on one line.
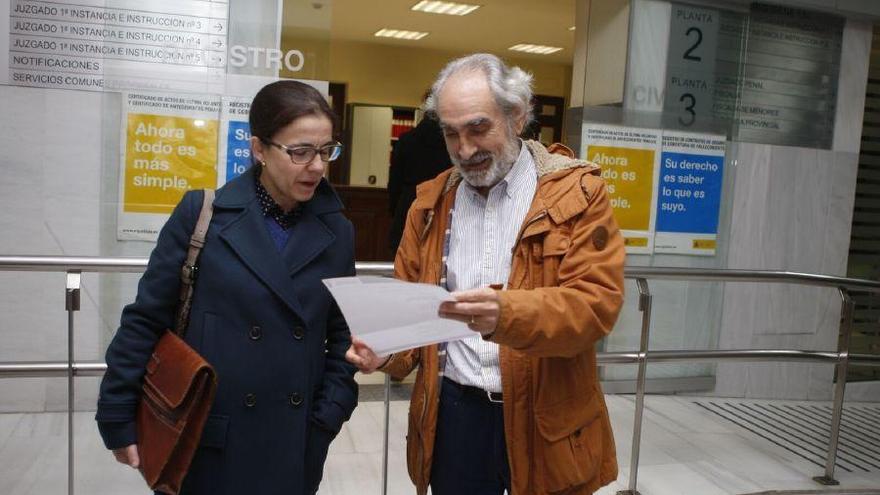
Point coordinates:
[[687, 54], [689, 109]]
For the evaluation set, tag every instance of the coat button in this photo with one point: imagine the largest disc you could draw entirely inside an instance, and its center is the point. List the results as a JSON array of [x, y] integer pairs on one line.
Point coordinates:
[[255, 333], [296, 399], [250, 400], [298, 333]]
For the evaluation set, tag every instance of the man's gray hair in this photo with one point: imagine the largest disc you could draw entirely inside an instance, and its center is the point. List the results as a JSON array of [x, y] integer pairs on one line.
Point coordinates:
[[511, 86]]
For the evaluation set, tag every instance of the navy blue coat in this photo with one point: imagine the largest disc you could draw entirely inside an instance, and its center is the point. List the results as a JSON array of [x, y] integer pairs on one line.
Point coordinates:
[[269, 327]]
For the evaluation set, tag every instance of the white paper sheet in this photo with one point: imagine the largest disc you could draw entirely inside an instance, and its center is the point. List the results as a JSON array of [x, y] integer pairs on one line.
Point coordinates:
[[391, 315]]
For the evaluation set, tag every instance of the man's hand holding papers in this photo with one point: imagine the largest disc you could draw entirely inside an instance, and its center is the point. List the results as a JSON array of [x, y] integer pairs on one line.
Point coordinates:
[[389, 315]]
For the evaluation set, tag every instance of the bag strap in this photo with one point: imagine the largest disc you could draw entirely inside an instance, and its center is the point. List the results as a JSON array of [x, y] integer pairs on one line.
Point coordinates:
[[189, 271]]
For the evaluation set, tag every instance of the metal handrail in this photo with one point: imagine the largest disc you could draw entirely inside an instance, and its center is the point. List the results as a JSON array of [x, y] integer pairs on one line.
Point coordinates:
[[765, 276], [47, 369], [74, 266], [87, 264], [82, 264]]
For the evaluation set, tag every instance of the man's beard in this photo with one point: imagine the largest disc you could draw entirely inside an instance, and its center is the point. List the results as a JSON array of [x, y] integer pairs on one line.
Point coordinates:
[[496, 171]]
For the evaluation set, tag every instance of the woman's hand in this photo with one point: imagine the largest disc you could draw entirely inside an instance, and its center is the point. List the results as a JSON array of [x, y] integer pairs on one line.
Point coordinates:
[[128, 455], [360, 355]]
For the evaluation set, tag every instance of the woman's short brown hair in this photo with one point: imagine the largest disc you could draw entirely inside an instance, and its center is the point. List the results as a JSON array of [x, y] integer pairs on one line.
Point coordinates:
[[281, 102]]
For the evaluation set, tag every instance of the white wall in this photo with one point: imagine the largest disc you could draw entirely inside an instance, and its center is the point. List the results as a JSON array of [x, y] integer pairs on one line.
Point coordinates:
[[51, 204]]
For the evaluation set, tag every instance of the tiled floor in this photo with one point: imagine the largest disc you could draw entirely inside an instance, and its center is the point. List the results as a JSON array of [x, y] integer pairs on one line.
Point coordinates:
[[686, 449]]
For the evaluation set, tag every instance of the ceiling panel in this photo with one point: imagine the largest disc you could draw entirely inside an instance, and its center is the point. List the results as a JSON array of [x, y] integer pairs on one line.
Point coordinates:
[[494, 27]]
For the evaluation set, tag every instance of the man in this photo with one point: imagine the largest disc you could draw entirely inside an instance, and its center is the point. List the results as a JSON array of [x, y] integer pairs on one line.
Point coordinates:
[[419, 155], [517, 407]]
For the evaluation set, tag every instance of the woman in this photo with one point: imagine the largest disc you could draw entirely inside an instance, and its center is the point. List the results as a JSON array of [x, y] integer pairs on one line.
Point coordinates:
[[260, 313]]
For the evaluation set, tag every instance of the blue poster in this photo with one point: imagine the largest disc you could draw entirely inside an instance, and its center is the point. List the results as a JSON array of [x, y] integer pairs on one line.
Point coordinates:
[[690, 193], [238, 149]]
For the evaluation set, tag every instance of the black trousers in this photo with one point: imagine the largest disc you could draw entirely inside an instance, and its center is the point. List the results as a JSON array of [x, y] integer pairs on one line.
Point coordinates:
[[470, 453]]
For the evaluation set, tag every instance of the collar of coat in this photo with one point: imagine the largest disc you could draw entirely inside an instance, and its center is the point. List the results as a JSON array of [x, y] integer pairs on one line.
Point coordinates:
[[241, 191], [561, 191]]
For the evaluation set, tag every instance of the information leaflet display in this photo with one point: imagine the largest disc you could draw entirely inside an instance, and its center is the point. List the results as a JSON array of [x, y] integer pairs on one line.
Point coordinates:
[[235, 135], [628, 157], [689, 199], [169, 147], [97, 44], [664, 186]]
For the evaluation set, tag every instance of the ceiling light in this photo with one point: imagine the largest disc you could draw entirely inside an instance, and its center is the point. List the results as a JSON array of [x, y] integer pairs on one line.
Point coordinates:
[[448, 8], [400, 34], [540, 49], [571, 28]]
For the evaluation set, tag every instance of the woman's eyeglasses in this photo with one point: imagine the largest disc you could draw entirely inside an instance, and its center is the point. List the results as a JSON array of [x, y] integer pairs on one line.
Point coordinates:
[[306, 153]]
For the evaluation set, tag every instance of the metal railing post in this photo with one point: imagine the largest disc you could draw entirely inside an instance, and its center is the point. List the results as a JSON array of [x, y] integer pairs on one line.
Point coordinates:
[[385, 434], [847, 307], [645, 307], [71, 304]]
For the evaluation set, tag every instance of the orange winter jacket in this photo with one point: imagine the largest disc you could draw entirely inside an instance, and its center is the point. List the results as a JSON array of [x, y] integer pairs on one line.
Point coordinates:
[[564, 294]]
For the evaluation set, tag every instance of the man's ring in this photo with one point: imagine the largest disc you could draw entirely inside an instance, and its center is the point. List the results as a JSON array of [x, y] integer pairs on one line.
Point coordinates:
[[472, 320]]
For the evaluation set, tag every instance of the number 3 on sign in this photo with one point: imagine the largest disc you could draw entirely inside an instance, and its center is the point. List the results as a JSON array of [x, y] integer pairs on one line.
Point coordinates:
[[689, 108], [688, 97]]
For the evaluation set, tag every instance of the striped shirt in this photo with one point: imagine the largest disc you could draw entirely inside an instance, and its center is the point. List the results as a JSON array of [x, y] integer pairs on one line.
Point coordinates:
[[482, 237]]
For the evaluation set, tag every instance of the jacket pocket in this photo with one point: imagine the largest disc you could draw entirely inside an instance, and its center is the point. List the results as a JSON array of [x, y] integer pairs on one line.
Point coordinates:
[[556, 244], [570, 441], [214, 434], [317, 446], [546, 254]]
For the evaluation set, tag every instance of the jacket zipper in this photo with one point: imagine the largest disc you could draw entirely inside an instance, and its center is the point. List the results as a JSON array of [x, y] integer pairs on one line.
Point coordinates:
[[429, 218], [534, 219], [420, 458]]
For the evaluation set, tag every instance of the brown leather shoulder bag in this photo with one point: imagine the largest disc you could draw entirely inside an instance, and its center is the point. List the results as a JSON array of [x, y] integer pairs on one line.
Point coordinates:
[[178, 387]]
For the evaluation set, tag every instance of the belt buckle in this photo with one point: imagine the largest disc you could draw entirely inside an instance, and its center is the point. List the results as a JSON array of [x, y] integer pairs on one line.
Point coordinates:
[[491, 396]]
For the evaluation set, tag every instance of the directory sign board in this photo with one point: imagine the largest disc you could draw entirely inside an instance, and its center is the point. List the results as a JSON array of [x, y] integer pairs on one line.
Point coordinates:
[[98, 44], [772, 74]]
